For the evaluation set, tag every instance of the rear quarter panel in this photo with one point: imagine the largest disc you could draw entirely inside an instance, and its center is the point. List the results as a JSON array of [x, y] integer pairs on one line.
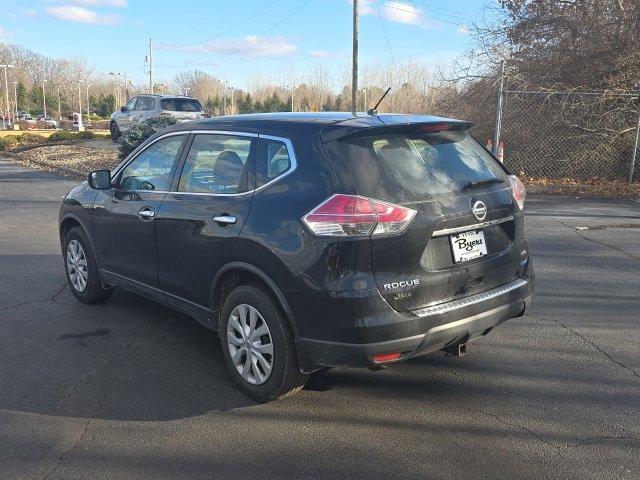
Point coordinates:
[[275, 240]]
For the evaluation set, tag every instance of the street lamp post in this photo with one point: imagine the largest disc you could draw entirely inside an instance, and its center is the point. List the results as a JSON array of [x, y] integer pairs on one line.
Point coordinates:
[[224, 96], [231, 111], [44, 100], [291, 87], [15, 99], [117, 90], [79, 100], [364, 90], [6, 89], [59, 105], [88, 112]]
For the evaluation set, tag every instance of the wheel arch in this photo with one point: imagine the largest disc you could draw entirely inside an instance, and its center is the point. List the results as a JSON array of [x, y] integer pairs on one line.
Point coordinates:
[[237, 273], [70, 221]]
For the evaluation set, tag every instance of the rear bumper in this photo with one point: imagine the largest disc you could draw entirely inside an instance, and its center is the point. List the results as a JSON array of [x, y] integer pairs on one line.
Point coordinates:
[[427, 330]]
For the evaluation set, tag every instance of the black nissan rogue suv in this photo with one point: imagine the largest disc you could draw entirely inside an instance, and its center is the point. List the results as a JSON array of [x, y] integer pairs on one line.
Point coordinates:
[[308, 240]]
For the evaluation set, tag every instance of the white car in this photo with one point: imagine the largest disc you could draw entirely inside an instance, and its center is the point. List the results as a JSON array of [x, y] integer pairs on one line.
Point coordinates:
[[145, 107], [49, 122]]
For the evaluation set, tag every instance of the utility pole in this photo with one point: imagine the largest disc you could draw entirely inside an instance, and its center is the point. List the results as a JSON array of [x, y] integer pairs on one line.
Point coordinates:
[[364, 90], [149, 60], [44, 100], [496, 137], [354, 66], [59, 105], [232, 100]]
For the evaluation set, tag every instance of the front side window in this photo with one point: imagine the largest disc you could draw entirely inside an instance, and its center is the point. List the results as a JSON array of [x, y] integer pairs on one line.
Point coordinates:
[[216, 164], [131, 104], [273, 161], [151, 169]]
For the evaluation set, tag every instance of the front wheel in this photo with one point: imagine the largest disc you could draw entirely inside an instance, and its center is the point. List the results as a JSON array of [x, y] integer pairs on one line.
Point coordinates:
[[258, 347], [115, 131], [81, 268]]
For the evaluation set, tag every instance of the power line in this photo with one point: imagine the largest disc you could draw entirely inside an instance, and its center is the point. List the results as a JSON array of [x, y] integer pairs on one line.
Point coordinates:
[[413, 12], [249, 18], [268, 30], [429, 5], [393, 58]]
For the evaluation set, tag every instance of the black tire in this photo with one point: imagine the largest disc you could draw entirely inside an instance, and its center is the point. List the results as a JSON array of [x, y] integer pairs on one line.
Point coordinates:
[[93, 291], [285, 378], [115, 132]]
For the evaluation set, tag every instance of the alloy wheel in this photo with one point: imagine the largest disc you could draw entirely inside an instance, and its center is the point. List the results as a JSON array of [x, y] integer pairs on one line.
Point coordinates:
[[77, 266], [250, 344]]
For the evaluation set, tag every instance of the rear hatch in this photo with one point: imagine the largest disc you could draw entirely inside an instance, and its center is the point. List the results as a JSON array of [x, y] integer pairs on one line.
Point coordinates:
[[182, 108], [444, 175]]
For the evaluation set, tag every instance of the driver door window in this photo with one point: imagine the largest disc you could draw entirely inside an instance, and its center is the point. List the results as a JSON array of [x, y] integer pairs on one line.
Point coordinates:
[[131, 104], [151, 169]]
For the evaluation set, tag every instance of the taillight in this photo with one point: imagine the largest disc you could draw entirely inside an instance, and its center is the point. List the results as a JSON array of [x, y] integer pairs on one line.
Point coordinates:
[[353, 215], [519, 192], [386, 357]]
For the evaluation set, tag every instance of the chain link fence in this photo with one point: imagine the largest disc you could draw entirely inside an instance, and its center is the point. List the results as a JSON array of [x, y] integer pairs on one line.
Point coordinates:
[[576, 135]]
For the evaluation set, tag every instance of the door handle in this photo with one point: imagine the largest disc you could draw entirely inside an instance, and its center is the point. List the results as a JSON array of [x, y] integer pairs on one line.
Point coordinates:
[[224, 220], [146, 214]]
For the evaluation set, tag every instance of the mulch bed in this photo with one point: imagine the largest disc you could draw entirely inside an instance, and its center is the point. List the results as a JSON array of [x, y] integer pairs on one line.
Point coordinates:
[[71, 159]]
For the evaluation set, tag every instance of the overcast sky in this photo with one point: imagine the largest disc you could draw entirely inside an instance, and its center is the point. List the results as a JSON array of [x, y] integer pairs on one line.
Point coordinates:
[[235, 39]]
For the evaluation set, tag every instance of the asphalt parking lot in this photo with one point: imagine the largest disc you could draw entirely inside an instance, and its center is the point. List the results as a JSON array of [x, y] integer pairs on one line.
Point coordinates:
[[130, 389]]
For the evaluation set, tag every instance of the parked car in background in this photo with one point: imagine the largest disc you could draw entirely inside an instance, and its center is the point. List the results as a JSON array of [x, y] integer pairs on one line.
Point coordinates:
[[26, 122], [309, 240], [144, 107], [47, 122]]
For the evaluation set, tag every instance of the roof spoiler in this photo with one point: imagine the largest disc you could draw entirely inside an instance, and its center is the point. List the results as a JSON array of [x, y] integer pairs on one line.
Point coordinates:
[[439, 126]]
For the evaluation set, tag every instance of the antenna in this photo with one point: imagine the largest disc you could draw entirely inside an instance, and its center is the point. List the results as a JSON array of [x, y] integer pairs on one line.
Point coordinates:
[[374, 111]]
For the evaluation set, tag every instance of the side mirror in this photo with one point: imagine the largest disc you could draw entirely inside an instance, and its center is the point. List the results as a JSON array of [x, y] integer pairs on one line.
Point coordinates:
[[100, 179], [123, 109]]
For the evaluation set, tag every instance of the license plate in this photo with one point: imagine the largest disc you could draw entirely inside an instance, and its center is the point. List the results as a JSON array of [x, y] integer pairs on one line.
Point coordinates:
[[468, 245]]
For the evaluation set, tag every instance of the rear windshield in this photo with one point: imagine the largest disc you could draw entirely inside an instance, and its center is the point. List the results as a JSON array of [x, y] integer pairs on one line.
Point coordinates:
[[403, 167], [180, 105]]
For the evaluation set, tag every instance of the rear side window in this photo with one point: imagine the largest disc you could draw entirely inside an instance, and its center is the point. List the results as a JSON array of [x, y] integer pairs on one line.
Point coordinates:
[[180, 105], [216, 164], [273, 160], [404, 167]]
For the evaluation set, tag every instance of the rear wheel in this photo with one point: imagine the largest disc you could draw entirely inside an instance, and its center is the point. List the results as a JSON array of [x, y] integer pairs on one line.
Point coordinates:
[[258, 345], [115, 131], [82, 269]]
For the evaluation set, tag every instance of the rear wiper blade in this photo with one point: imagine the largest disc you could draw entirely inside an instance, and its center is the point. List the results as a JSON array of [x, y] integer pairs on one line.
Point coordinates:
[[481, 183]]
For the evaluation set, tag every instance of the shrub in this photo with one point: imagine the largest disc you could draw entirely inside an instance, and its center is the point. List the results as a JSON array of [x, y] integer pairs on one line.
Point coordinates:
[[31, 138], [62, 136], [86, 135], [8, 142], [137, 134]]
